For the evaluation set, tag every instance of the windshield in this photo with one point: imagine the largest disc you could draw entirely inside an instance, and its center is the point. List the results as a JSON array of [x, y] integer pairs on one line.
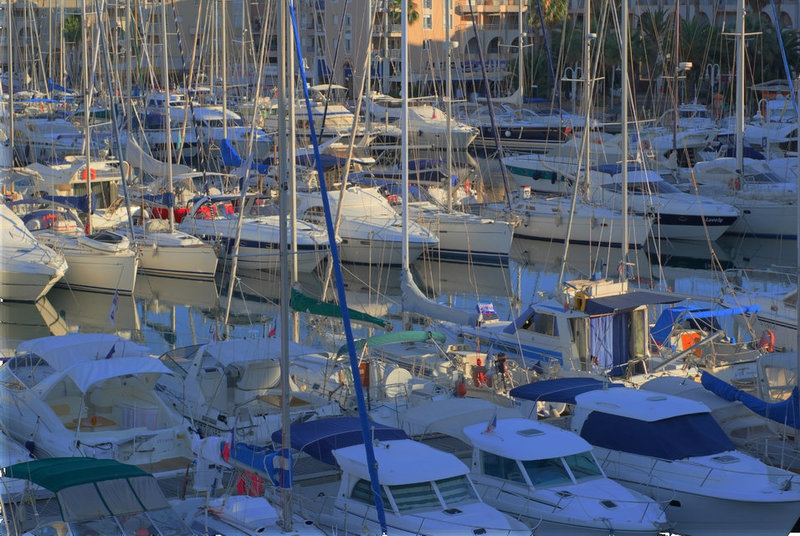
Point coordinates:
[[548, 472], [416, 496], [423, 495], [583, 466]]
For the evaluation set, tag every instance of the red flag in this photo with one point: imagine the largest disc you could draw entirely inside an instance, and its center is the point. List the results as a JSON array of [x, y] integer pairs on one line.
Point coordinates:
[[272, 331]]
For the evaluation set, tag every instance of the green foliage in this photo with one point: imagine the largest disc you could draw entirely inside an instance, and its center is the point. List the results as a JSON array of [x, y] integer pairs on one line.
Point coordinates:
[[72, 29], [395, 12]]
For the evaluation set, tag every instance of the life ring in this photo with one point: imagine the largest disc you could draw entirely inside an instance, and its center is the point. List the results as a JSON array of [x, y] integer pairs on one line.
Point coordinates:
[[735, 183], [767, 341]]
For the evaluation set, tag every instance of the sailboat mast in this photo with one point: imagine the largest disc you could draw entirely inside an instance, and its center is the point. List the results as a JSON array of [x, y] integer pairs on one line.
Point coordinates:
[[224, 69], [675, 53], [623, 275], [86, 136], [167, 114], [286, 48], [10, 110], [448, 107], [404, 124], [520, 58], [740, 38]]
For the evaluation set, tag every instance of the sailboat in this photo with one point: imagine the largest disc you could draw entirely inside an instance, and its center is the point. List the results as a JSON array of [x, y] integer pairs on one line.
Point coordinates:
[[164, 249]]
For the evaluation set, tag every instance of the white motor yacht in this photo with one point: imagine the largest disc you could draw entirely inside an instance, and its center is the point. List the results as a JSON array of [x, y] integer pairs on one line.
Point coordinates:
[[92, 497], [768, 203], [92, 395], [678, 215], [672, 449], [101, 261], [548, 478], [425, 491], [371, 230], [28, 269], [215, 219]]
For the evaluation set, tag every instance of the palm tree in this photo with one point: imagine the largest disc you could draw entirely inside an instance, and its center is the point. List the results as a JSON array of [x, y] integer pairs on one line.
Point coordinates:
[[73, 35], [395, 12]]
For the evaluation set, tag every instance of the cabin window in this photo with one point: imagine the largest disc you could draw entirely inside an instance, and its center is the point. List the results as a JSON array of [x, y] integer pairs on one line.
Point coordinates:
[[501, 467], [542, 323], [456, 490], [362, 492], [548, 472], [583, 466], [417, 496]]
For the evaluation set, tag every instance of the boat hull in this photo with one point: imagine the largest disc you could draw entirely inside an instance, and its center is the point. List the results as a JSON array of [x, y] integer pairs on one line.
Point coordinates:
[[26, 286], [699, 502], [97, 272], [164, 254], [380, 252], [484, 243]]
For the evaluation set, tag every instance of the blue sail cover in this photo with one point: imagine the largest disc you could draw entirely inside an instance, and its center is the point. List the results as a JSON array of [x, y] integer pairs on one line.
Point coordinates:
[[230, 157], [785, 412], [79, 202], [318, 438], [559, 389], [167, 199], [675, 438], [275, 465]]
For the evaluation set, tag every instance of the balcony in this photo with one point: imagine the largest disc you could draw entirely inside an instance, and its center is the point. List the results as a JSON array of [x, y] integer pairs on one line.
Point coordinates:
[[393, 30], [490, 6]]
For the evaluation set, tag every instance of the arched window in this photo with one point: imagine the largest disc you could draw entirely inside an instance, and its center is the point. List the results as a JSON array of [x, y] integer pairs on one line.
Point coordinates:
[[472, 46], [494, 46]]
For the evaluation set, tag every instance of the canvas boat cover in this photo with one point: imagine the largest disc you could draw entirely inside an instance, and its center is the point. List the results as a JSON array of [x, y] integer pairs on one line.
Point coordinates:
[[559, 389], [319, 438]]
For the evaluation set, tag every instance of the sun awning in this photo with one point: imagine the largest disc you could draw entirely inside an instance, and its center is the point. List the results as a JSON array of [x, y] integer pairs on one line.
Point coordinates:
[[55, 474], [630, 300]]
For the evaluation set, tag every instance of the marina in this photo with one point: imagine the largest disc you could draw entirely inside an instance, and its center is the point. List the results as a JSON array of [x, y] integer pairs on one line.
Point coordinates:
[[374, 268]]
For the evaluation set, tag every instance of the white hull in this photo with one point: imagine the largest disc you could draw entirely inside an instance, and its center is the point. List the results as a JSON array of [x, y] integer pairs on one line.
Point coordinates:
[[175, 254], [765, 219], [198, 262], [26, 286], [28, 269], [378, 252], [255, 258], [98, 272], [701, 515], [596, 226], [464, 237], [706, 500]]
